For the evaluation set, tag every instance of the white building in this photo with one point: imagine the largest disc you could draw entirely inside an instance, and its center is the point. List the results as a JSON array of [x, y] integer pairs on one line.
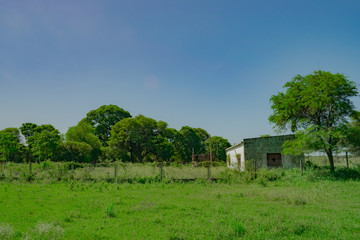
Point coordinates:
[[236, 157], [264, 152]]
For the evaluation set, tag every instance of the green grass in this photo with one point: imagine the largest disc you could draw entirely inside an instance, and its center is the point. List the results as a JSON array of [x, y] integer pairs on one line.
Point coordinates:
[[290, 208]]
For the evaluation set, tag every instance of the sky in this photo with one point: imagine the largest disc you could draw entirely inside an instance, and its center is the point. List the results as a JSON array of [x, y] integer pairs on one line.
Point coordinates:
[[199, 63]]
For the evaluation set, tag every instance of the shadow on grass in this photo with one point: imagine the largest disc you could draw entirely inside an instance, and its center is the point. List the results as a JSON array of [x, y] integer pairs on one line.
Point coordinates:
[[340, 174]]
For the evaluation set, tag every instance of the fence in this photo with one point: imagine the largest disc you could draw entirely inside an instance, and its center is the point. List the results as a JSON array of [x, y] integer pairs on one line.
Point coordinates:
[[115, 171]]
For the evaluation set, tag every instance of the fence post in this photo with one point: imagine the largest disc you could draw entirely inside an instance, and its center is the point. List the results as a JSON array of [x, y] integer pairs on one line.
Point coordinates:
[[347, 161], [30, 167], [161, 171], [115, 170], [208, 172], [255, 167]]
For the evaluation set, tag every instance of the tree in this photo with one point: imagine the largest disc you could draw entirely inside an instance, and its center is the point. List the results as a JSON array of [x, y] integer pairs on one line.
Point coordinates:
[[134, 135], [84, 133], [103, 118], [44, 142], [316, 107], [142, 137], [186, 141], [218, 146], [10, 146], [75, 151], [28, 129]]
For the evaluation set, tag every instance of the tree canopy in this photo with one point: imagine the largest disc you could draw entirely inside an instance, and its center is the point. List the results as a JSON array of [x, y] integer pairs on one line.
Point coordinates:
[[136, 136], [316, 107], [103, 118], [10, 146]]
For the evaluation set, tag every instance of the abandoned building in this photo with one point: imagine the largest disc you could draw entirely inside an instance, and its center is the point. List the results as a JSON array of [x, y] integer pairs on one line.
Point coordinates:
[[262, 152]]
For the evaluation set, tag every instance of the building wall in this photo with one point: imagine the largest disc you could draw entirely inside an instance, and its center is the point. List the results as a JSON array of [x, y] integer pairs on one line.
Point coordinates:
[[258, 148], [234, 163]]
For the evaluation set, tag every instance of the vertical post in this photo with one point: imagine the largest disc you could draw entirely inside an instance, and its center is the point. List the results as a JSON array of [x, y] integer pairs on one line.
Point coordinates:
[[347, 161], [115, 170], [210, 148], [208, 172], [30, 168], [161, 171], [301, 166], [193, 157], [255, 167]]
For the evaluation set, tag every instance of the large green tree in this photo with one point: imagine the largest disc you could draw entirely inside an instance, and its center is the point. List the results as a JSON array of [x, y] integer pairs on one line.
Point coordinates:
[[186, 141], [103, 118], [316, 107], [141, 137], [83, 133], [10, 146], [44, 142]]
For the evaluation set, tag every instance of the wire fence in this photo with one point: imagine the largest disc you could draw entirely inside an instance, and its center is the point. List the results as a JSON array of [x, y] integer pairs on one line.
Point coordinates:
[[116, 171]]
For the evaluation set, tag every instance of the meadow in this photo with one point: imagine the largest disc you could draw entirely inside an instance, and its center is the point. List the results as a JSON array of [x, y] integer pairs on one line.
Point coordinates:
[[61, 201]]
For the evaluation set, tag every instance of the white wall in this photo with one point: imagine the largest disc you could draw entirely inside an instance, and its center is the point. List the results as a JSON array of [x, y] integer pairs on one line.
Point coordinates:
[[234, 164]]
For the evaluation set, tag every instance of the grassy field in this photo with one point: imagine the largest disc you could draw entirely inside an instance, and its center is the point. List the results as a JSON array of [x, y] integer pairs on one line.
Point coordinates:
[[294, 206]]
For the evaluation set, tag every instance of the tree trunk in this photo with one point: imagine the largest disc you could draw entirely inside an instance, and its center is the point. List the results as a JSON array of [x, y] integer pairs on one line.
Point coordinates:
[[329, 153]]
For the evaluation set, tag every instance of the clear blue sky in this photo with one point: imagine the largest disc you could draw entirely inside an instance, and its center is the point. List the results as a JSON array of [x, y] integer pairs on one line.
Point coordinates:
[[208, 64]]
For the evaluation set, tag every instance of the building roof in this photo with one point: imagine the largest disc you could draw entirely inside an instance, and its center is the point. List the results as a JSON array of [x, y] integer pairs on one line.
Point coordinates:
[[239, 144], [234, 146]]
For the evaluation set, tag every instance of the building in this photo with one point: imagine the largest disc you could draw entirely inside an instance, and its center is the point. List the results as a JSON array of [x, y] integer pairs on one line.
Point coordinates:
[[266, 152]]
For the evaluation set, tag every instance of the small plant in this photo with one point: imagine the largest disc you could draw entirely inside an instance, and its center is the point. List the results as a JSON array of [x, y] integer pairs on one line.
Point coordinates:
[[237, 228], [110, 210]]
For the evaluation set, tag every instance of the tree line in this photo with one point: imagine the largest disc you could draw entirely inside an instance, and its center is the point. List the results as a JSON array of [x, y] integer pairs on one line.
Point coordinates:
[[109, 133]]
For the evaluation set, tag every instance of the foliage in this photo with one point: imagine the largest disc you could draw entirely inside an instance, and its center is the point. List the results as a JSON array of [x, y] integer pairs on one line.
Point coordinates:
[[317, 106], [10, 146], [44, 142], [103, 118], [84, 133], [74, 151], [141, 136], [353, 134], [28, 129], [186, 141], [218, 146]]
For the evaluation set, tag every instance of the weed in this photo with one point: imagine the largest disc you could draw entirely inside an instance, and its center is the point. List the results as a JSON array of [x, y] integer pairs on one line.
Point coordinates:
[[237, 228], [110, 212]]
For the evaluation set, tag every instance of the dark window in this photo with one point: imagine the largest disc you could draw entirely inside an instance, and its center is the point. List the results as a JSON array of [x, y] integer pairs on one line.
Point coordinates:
[[274, 160]]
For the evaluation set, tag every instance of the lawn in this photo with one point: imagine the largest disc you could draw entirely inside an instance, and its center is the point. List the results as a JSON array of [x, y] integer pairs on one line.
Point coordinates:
[[281, 209]]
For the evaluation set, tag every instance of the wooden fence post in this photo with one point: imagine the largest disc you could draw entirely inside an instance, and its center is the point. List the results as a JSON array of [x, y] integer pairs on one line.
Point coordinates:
[[30, 168], [347, 161], [208, 172], [161, 171], [255, 167], [115, 170]]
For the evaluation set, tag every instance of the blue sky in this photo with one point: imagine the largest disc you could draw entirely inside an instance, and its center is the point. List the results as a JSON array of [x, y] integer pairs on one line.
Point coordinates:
[[208, 64]]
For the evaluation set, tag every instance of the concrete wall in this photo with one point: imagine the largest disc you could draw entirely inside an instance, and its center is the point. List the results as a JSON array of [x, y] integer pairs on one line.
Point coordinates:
[[232, 152], [258, 148]]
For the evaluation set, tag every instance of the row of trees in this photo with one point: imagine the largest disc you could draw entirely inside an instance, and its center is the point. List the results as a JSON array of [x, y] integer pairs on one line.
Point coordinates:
[[108, 133]]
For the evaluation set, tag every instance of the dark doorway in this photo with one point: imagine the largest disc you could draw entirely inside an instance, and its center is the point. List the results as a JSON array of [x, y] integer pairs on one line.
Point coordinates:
[[274, 160]]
